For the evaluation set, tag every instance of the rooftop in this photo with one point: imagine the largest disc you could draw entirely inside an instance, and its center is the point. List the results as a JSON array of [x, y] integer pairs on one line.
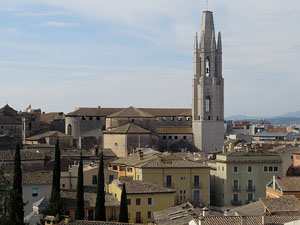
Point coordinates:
[[173, 164], [140, 187], [37, 177], [243, 152], [288, 183], [129, 128], [271, 134], [69, 199], [131, 112], [287, 203], [163, 112], [47, 134], [88, 222]]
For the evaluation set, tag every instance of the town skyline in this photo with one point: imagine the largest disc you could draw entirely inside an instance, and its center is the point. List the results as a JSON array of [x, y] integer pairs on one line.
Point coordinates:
[[61, 55]]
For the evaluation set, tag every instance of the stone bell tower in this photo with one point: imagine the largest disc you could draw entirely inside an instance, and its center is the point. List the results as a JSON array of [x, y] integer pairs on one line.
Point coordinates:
[[208, 88]]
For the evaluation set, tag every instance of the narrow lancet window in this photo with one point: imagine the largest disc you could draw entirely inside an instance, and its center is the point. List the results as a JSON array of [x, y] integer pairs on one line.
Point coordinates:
[[207, 66], [207, 104]]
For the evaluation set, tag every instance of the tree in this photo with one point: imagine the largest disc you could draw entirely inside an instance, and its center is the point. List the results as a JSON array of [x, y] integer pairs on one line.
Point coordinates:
[[79, 213], [55, 205], [16, 205], [100, 201], [123, 206]]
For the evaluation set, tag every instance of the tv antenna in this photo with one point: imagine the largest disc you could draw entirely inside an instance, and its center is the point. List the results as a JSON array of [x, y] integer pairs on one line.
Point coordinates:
[[206, 5]]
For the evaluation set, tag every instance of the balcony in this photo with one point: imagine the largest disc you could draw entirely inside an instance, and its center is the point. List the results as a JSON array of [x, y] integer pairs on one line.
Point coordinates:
[[236, 202], [250, 188], [169, 185], [196, 185], [236, 188]]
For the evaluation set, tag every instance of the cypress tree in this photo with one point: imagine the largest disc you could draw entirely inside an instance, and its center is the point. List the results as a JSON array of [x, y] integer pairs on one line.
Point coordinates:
[[16, 205], [123, 206], [55, 205], [100, 201], [79, 214]]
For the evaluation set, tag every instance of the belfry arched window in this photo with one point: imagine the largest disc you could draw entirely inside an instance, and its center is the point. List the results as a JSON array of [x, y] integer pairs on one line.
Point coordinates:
[[207, 66], [70, 129], [207, 104]]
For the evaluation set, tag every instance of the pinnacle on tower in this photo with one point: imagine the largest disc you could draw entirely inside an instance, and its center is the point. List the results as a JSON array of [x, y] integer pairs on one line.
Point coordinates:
[[219, 42], [196, 43]]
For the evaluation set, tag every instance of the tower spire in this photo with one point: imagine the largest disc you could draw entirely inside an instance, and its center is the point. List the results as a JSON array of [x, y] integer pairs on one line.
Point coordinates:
[[219, 42]]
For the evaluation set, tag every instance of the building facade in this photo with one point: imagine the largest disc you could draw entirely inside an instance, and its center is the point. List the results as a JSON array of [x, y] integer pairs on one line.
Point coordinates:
[[239, 177], [208, 88]]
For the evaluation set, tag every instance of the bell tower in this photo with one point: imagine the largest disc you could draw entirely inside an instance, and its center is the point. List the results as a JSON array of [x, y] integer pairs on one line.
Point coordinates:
[[208, 88]]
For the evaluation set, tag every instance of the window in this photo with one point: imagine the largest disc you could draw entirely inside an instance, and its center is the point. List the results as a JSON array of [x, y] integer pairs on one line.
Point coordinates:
[[170, 137], [270, 168], [196, 181], [176, 137], [207, 64], [91, 118], [275, 168], [128, 201], [94, 179], [90, 214], [129, 170], [169, 181], [122, 168], [150, 201], [63, 185], [164, 137], [83, 118], [265, 169], [207, 104], [149, 214], [250, 197], [249, 169], [250, 185], [70, 129], [222, 168], [138, 217], [115, 167], [110, 178], [235, 169], [138, 201], [98, 117], [235, 184], [184, 137], [34, 192]]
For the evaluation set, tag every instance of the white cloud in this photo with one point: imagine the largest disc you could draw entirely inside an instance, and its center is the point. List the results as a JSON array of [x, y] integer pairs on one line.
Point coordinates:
[[60, 24]]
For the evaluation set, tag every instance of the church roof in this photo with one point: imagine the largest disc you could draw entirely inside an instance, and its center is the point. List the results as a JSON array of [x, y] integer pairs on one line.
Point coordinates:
[[8, 111], [131, 112], [129, 128], [174, 130], [157, 112]]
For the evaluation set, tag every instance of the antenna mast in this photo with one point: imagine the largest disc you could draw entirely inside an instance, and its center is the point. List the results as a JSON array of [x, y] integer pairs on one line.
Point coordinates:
[[206, 5]]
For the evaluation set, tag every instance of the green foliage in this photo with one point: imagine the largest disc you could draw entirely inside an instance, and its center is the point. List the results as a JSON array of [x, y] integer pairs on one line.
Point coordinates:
[[16, 205], [79, 213], [55, 205], [100, 214], [123, 206]]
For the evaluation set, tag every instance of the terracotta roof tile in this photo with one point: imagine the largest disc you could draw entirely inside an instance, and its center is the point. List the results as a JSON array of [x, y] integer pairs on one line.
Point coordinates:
[[286, 203], [129, 128], [88, 222], [288, 183], [131, 112], [173, 164]]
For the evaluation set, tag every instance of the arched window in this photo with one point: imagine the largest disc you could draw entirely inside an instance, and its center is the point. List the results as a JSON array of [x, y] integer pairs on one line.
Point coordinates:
[[207, 67], [207, 104], [70, 129]]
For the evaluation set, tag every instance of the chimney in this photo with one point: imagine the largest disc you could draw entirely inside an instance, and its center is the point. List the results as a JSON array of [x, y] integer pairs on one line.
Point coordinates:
[[126, 152], [141, 155], [201, 220], [266, 219], [243, 220], [205, 211], [67, 220]]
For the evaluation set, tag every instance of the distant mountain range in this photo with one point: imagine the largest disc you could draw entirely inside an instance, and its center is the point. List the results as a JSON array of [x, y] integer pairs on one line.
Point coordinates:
[[288, 118]]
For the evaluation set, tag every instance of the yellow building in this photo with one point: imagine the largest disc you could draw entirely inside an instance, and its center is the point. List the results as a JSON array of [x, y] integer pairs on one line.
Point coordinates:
[[191, 180], [143, 199]]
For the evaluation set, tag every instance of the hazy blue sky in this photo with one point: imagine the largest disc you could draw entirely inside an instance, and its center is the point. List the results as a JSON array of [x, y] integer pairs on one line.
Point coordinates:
[[60, 54]]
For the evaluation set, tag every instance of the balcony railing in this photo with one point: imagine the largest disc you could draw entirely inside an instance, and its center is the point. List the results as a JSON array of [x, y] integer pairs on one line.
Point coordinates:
[[236, 188], [196, 185], [250, 188], [236, 202], [169, 185]]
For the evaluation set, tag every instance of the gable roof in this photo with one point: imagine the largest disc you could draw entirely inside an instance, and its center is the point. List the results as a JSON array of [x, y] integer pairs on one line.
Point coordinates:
[[288, 183], [88, 222], [47, 134], [37, 177], [140, 187], [69, 199], [8, 111], [173, 164], [131, 112], [251, 209], [157, 112], [129, 128], [286, 203]]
